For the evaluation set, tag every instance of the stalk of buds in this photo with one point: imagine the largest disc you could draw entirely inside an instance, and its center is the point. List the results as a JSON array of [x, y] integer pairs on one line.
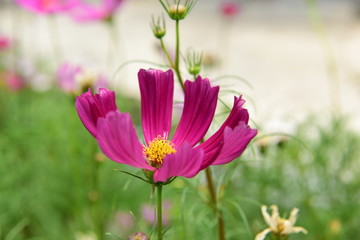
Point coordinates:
[[178, 10]]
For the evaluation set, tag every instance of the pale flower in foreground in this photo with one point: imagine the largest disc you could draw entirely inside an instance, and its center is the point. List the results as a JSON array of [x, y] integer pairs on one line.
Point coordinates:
[[277, 225]]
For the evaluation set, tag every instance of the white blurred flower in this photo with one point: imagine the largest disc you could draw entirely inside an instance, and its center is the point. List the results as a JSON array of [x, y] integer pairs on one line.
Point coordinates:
[[75, 79], [277, 225]]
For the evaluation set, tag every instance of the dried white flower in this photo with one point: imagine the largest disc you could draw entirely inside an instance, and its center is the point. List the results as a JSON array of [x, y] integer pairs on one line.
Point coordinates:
[[277, 225]]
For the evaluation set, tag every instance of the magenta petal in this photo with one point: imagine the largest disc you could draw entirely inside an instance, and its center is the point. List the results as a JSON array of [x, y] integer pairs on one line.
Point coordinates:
[[185, 162], [212, 148], [90, 108], [106, 99], [235, 142], [117, 139], [157, 88], [89, 12], [199, 109], [213, 145]]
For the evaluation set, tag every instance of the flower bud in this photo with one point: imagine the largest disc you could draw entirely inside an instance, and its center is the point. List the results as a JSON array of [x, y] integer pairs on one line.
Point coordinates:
[[158, 27], [193, 62], [178, 11]]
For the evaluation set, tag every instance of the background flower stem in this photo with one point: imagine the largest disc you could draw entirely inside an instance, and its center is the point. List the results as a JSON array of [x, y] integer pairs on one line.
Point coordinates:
[[330, 60], [54, 38], [218, 213]]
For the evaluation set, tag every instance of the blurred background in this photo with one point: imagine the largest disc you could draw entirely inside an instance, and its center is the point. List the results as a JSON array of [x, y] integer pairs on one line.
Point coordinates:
[[297, 64], [279, 40]]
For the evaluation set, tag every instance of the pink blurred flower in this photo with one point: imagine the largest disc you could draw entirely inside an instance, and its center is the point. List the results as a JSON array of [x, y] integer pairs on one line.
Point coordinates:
[[5, 43], [138, 236], [230, 8], [12, 81], [85, 12], [148, 213], [74, 79], [181, 156], [125, 220], [66, 77], [47, 6]]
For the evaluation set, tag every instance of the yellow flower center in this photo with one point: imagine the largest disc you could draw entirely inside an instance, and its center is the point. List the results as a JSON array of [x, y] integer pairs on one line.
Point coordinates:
[[281, 225], [157, 150]]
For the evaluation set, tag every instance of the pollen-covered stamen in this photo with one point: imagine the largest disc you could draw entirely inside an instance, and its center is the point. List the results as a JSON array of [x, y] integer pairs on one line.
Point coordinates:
[[281, 225], [157, 151]]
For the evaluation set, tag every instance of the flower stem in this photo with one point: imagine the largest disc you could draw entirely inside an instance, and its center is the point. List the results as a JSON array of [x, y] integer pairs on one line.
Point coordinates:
[[177, 56], [54, 37], [330, 60], [159, 211], [210, 182], [217, 211], [167, 53]]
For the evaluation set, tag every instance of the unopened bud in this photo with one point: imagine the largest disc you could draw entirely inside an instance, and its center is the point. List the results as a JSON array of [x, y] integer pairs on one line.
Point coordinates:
[[194, 63], [158, 27], [178, 11]]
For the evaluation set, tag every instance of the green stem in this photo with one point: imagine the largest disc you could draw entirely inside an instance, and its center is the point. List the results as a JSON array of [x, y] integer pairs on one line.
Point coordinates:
[[159, 211], [331, 65], [114, 50], [214, 205], [97, 219], [167, 53], [177, 57]]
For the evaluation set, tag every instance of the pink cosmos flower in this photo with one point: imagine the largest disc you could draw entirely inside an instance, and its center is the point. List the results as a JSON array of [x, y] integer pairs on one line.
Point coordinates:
[[66, 77], [12, 81], [125, 220], [84, 12], [75, 79], [5, 43], [180, 156], [47, 6], [230, 8], [148, 213]]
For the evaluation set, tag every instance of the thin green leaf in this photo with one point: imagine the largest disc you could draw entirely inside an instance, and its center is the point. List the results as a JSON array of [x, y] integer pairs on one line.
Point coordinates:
[[241, 79], [139, 61], [243, 216], [17, 229]]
